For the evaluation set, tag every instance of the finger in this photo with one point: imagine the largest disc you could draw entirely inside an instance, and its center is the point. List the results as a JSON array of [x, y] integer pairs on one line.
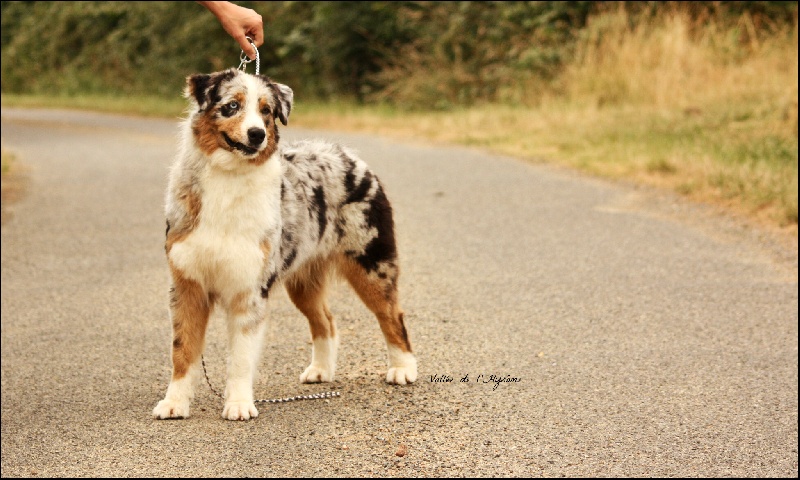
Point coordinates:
[[258, 34], [246, 47]]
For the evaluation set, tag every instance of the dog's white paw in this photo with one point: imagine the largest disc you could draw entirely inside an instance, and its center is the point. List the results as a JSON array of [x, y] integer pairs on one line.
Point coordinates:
[[402, 367], [316, 374], [171, 409], [239, 411], [401, 375]]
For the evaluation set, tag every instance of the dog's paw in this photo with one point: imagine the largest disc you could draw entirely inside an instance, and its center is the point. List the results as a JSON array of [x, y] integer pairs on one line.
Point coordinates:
[[239, 411], [402, 367], [171, 409], [316, 374], [401, 375]]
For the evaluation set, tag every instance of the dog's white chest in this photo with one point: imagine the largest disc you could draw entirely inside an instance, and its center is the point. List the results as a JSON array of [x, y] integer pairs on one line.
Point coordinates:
[[237, 214]]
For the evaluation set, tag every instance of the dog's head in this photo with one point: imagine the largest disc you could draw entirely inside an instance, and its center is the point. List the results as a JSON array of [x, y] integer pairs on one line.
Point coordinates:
[[234, 114]]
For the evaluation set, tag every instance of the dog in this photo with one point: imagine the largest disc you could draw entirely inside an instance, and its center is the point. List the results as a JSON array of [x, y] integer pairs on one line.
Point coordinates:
[[246, 213]]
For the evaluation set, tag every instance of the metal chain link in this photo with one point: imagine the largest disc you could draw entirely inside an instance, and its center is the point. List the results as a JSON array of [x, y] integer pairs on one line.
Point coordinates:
[[313, 396], [244, 59]]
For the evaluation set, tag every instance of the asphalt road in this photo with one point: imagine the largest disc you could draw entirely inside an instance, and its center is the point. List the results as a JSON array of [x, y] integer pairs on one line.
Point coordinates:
[[647, 339]]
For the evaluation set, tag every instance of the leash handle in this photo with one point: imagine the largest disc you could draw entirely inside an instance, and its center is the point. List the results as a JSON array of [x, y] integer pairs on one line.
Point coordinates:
[[244, 59]]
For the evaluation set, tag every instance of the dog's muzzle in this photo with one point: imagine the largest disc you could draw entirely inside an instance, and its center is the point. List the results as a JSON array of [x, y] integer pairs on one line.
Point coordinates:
[[255, 136]]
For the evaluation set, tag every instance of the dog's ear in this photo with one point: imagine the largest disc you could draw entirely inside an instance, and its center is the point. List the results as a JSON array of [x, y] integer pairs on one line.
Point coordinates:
[[197, 88], [204, 89], [285, 97]]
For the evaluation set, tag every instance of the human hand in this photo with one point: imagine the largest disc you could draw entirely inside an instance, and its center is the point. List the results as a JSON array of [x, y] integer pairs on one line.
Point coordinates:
[[239, 22]]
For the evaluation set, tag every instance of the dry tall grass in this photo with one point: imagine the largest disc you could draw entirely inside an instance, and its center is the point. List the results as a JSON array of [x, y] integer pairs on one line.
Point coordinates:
[[676, 60], [719, 103]]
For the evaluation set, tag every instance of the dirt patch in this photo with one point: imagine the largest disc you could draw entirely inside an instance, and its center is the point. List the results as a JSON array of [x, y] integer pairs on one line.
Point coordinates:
[[14, 185]]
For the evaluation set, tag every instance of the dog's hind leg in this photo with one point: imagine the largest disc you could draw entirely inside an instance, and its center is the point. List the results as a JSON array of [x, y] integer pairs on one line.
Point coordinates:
[[378, 290], [189, 310], [307, 289]]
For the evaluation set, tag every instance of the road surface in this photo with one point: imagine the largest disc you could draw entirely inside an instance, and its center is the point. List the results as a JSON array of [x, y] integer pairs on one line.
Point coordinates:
[[636, 337]]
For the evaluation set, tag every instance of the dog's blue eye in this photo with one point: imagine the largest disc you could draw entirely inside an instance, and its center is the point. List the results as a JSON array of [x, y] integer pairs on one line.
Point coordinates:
[[230, 108]]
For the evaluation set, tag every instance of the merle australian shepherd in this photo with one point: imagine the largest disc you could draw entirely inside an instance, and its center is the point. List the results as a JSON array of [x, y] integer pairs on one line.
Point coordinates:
[[246, 213]]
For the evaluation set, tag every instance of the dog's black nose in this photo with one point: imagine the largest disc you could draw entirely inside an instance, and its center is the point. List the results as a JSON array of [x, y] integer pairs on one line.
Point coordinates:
[[256, 136]]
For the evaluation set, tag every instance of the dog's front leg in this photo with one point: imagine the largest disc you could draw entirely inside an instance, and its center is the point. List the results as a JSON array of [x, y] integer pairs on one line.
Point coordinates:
[[245, 336], [189, 311]]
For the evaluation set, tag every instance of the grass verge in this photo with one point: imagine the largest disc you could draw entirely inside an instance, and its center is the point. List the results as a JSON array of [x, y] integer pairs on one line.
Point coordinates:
[[129, 105], [13, 184], [726, 156], [738, 165]]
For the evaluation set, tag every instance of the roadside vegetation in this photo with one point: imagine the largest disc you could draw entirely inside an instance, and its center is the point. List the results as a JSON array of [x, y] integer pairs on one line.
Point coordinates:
[[696, 97], [13, 183], [711, 115]]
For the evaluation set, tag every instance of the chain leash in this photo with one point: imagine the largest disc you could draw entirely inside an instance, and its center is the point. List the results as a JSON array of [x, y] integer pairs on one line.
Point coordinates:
[[314, 396], [244, 59]]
